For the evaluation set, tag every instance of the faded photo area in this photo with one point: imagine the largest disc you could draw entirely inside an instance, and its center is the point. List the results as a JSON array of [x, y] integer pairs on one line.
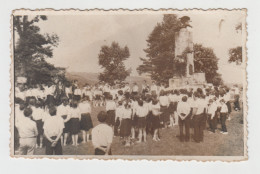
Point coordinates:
[[129, 84]]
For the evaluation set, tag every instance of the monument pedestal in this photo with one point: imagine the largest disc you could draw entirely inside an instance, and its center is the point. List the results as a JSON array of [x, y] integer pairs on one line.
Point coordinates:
[[195, 80]]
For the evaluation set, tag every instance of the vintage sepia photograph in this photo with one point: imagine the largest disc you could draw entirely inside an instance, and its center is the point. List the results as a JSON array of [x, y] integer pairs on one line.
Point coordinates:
[[120, 84]]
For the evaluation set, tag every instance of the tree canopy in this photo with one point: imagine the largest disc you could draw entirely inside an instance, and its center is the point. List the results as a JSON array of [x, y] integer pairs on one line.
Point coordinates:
[[206, 61], [160, 50], [32, 48], [235, 55], [111, 59]]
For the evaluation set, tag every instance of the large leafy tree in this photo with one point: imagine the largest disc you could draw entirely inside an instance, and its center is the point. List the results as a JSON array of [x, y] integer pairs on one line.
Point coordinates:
[[160, 50], [111, 59], [31, 50], [206, 61]]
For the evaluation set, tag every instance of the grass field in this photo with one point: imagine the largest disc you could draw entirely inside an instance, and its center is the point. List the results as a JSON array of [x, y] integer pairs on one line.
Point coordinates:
[[214, 144]]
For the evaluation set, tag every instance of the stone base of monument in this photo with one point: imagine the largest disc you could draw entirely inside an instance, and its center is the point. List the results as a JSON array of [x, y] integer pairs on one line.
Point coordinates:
[[195, 81]]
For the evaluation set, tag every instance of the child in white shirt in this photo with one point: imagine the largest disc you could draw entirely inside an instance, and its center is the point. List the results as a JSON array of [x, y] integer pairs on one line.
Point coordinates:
[[223, 116], [141, 113]]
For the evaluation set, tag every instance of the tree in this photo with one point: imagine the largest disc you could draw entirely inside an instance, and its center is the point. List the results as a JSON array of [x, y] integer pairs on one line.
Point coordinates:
[[31, 50], [111, 59], [206, 61], [160, 50], [235, 55]]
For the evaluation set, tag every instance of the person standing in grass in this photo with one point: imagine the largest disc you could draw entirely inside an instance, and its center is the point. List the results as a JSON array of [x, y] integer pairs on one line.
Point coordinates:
[[141, 113], [126, 123], [102, 136], [53, 129], [27, 133], [155, 119], [75, 117], [183, 111], [212, 117], [223, 116], [85, 121], [111, 109], [63, 112]]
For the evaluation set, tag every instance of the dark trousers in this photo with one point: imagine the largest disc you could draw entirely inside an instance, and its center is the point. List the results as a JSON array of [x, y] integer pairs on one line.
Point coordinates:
[[212, 123], [199, 125], [57, 150], [184, 123], [117, 123], [101, 152], [223, 118], [149, 124], [229, 106], [236, 103]]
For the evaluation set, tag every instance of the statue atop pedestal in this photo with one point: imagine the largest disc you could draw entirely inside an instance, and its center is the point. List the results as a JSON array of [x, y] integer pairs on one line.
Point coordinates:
[[184, 57], [184, 48]]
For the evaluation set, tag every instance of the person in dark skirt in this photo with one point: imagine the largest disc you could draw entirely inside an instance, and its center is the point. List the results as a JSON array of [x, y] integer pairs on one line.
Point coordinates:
[[164, 102], [37, 116], [63, 111], [125, 127], [156, 119], [110, 108], [86, 121], [148, 103], [75, 117], [134, 118], [141, 113]]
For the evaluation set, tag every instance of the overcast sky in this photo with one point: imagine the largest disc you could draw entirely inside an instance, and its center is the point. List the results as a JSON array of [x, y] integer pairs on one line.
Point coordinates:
[[81, 37]]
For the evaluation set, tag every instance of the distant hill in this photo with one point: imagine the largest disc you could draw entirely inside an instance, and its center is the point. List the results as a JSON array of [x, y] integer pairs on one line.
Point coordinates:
[[92, 78]]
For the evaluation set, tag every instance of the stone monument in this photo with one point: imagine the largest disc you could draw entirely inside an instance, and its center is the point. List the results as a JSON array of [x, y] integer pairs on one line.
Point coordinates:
[[184, 53]]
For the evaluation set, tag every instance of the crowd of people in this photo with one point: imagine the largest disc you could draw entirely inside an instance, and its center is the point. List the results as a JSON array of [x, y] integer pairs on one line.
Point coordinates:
[[51, 115]]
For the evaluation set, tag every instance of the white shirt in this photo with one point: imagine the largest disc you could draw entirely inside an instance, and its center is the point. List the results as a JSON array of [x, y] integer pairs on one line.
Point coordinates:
[[74, 113], [227, 97], [127, 114], [102, 135], [212, 108], [134, 106], [18, 114], [201, 105], [120, 112], [49, 90], [106, 88], [141, 111], [156, 109], [85, 107], [62, 110], [53, 125], [183, 108], [154, 88], [135, 88], [224, 108], [37, 113], [164, 101], [148, 106], [68, 91], [20, 94], [110, 105], [236, 91], [27, 128], [77, 91]]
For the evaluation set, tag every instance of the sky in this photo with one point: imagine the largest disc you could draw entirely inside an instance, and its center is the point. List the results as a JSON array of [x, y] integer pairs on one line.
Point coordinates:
[[81, 37]]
